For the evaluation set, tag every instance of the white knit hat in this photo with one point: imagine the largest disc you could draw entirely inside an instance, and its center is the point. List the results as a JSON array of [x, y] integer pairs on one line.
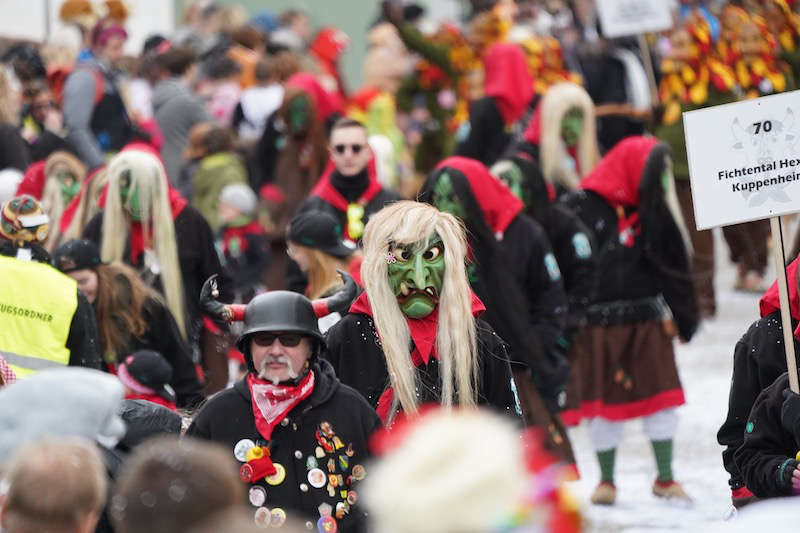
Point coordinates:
[[239, 196]]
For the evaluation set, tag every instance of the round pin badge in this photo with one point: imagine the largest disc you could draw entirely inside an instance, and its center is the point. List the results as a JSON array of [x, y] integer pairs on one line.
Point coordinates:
[[359, 472], [257, 496], [278, 517], [279, 475], [246, 473], [241, 449], [317, 478], [352, 497], [327, 524], [263, 517]]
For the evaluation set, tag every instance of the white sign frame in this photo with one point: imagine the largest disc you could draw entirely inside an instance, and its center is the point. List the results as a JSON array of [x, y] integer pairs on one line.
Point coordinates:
[[744, 160], [621, 18]]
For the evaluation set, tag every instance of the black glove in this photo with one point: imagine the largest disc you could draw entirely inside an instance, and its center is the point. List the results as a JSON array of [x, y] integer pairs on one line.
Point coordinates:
[[790, 412], [785, 473], [208, 302]]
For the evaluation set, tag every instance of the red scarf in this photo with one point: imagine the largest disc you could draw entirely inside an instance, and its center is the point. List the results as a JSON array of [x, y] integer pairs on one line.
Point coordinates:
[[423, 334], [770, 302], [508, 80], [271, 403], [325, 190], [498, 204], [230, 233], [617, 178]]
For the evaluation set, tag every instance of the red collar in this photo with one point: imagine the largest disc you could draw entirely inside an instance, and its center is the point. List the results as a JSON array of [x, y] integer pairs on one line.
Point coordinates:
[[324, 189], [423, 330]]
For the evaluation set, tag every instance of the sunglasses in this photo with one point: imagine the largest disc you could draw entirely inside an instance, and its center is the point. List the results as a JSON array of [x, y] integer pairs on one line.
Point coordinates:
[[342, 148], [289, 340]]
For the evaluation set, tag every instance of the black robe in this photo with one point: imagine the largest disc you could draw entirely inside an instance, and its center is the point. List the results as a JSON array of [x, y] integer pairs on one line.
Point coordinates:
[[354, 350], [227, 418], [768, 446], [758, 360]]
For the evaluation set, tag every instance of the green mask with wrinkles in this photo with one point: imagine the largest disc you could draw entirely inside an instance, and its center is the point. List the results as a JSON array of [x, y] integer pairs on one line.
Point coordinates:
[[511, 175], [131, 201], [415, 273], [299, 114], [69, 186], [572, 126], [445, 198]]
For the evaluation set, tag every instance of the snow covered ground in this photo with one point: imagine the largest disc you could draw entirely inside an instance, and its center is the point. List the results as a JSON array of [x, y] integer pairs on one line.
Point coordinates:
[[705, 369]]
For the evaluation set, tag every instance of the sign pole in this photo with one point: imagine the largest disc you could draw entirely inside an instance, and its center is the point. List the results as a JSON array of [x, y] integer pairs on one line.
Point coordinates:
[[648, 67], [783, 293]]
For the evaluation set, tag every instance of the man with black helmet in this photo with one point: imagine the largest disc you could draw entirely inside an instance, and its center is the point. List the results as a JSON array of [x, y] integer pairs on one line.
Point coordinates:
[[299, 435]]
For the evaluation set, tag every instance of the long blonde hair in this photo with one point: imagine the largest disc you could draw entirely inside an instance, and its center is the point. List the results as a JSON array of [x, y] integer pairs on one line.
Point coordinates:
[[52, 198], [148, 177], [556, 102], [322, 274], [409, 222]]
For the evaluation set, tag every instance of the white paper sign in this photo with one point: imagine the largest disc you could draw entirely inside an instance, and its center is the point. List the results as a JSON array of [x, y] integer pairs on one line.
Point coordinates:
[[632, 17], [744, 160]]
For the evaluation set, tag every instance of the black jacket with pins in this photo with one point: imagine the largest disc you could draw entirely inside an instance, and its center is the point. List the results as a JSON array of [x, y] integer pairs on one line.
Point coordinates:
[[768, 446], [356, 354], [227, 418], [758, 360]]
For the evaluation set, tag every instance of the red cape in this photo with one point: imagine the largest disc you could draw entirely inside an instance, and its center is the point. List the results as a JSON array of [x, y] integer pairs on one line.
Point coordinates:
[[508, 80], [498, 204], [325, 102], [618, 175]]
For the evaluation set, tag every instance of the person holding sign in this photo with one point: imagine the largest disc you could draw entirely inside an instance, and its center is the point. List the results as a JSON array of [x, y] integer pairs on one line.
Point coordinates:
[[758, 360], [642, 299], [692, 79]]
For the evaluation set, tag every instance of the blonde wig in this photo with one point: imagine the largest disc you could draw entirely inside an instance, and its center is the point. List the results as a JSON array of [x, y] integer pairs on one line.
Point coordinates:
[[52, 199], [557, 101], [87, 204], [409, 222], [322, 275], [148, 177]]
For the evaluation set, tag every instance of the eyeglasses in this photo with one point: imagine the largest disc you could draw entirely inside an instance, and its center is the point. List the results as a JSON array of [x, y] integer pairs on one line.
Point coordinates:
[[342, 148], [289, 340]]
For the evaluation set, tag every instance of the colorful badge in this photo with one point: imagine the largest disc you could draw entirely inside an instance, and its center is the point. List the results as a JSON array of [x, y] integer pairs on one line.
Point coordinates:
[[263, 517], [278, 517], [317, 478], [325, 509], [241, 449], [352, 497], [342, 509], [279, 475], [311, 463], [333, 480], [319, 453], [257, 496], [327, 524], [344, 462], [246, 473], [359, 472]]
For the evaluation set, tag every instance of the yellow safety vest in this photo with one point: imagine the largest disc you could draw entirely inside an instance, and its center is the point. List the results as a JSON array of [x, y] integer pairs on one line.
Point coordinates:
[[37, 303]]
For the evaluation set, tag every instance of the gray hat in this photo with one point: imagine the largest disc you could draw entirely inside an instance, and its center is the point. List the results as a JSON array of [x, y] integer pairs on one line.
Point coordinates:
[[69, 401], [240, 196]]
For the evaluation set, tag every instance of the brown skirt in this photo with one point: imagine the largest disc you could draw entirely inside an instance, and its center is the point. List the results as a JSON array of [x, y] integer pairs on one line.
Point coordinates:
[[622, 372]]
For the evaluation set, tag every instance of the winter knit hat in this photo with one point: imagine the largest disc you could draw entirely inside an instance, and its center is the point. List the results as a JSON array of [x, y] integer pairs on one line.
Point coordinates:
[[239, 196], [76, 254], [147, 372], [23, 221]]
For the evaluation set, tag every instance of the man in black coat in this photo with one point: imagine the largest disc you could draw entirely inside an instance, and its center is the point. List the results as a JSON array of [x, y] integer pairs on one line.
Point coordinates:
[[768, 456], [300, 434]]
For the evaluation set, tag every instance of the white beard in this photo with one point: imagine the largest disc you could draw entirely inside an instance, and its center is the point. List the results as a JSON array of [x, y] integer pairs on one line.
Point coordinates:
[[264, 372]]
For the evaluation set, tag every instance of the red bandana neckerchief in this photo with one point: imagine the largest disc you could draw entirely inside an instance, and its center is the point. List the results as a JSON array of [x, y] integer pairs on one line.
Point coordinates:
[[271, 403], [423, 335]]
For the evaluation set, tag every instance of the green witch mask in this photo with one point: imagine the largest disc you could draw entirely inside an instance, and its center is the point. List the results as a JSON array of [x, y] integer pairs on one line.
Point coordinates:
[[572, 126], [415, 273], [131, 201], [69, 185], [510, 174], [445, 198]]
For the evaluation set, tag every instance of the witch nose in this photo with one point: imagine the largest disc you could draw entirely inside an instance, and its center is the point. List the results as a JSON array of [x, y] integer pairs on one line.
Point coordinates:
[[418, 275]]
